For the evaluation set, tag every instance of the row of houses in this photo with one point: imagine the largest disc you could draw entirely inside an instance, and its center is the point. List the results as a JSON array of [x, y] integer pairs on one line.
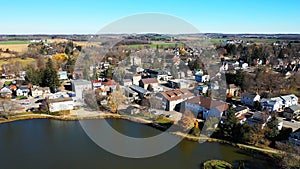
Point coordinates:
[[279, 103], [286, 103], [12, 91]]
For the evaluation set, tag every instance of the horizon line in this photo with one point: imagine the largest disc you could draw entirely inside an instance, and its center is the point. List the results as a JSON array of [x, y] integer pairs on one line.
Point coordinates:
[[240, 33]]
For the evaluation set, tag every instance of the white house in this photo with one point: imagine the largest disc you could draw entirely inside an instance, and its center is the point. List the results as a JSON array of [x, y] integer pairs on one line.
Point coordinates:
[[270, 104], [278, 103], [62, 75], [179, 83], [96, 84], [244, 66], [289, 100], [5, 92], [249, 99], [163, 77], [126, 82], [150, 84], [201, 90], [172, 98], [61, 104], [206, 107], [202, 78], [40, 91], [79, 86], [224, 67], [232, 90], [241, 112], [22, 91], [135, 78]]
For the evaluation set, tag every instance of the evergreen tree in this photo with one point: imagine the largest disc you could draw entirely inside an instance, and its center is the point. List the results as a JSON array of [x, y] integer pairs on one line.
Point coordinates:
[[109, 73], [272, 130], [50, 77], [229, 127], [281, 54], [33, 76]]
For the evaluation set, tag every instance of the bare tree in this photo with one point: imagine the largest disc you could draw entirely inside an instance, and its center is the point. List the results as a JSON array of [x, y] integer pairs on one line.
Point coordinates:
[[45, 106], [290, 158], [115, 99], [156, 103], [8, 108], [187, 120]]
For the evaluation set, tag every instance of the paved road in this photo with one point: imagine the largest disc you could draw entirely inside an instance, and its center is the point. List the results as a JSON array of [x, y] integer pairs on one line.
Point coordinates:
[[294, 125]]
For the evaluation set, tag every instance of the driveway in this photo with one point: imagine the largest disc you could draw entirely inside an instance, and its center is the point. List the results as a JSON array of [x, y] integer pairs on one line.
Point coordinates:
[[289, 124]]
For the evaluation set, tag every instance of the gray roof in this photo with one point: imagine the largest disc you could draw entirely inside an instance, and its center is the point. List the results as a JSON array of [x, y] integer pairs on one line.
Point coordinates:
[[240, 108], [138, 89], [249, 95], [288, 97], [81, 82], [295, 107]]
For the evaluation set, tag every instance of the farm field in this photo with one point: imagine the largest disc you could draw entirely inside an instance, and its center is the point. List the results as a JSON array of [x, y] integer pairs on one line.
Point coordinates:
[[154, 45], [17, 46]]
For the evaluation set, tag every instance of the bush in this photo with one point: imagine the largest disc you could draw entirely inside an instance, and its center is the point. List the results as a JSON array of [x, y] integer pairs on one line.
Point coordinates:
[[217, 164], [196, 131], [163, 120], [22, 97]]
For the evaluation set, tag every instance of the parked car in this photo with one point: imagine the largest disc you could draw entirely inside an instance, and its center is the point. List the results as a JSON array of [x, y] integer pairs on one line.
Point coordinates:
[[169, 115], [31, 109]]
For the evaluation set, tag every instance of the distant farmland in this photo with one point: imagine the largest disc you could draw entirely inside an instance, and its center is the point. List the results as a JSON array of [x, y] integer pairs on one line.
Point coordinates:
[[154, 45], [17, 46]]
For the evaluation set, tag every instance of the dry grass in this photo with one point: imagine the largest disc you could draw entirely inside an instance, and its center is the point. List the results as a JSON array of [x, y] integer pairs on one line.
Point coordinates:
[[14, 47], [25, 62]]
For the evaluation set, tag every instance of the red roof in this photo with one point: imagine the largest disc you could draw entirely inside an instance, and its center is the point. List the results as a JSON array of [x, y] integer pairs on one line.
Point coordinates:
[[109, 83], [209, 103], [96, 81], [149, 80], [172, 95]]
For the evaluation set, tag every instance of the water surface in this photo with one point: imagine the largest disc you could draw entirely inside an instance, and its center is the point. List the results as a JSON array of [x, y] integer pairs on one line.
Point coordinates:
[[56, 144]]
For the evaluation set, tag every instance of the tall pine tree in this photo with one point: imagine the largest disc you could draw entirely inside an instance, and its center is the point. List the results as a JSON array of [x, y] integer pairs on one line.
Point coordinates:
[[50, 77]]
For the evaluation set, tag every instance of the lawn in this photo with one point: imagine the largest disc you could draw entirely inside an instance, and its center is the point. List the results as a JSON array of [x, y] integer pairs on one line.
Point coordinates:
[[14, 42]]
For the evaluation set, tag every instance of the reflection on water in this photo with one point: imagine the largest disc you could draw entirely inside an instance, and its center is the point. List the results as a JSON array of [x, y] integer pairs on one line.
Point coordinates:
[[63, 144]]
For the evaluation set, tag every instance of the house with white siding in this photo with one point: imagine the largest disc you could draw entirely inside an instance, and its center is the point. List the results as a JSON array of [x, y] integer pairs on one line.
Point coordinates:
[[279, 103], [150, 84], [79, 86], [172, 98], [61, 104], [206, 107]]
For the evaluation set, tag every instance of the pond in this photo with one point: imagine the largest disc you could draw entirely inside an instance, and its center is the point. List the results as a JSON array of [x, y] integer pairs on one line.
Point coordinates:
[[57, 144]]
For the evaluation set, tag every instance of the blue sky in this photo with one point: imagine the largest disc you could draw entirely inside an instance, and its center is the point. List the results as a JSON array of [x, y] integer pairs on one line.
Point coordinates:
[[87, 17]]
